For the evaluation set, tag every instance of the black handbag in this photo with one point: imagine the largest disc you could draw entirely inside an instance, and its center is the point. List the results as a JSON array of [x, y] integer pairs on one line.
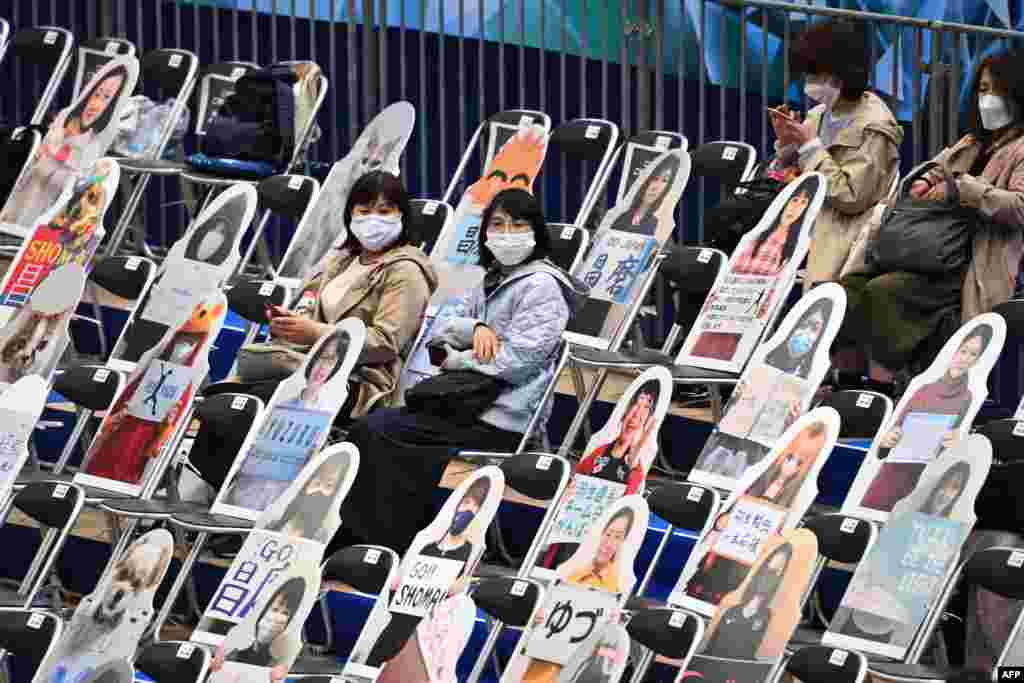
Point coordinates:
[[460, 396], [924, 237]]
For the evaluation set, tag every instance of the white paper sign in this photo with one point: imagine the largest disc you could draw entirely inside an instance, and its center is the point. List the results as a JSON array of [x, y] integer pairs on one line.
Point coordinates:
[[425, 585], [162, 388], [571, 614], [750, 523], [591, 497], [922, 437]]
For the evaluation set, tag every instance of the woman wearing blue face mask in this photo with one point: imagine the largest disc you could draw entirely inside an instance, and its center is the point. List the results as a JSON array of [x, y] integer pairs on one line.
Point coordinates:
[[796, 353]]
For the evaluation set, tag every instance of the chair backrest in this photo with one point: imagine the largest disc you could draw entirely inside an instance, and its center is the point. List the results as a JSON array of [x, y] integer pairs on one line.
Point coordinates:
[[287, 195], [53, 505], [1006, 436], [580, 154], [862, 413], [637, 152], [431, 217], [93, 387], [689, 273], [537, 475], [999, 570], [366, 568], [47, 47], [94, 54], [167, 661], [304, 136], [215, 86], [684, 505], [511, 601], [29, 635], [670, 633], [224, 423], [250, 298], [842, 538], [822, 664], [568, 245], [173, 72], [730, 162]]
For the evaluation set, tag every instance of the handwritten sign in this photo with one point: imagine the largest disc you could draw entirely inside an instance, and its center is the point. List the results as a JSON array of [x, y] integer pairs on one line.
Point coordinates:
[[425, 585], [750, 523], [615, 263], [571, 614], [14, 436], [589, 500], [162, 388]]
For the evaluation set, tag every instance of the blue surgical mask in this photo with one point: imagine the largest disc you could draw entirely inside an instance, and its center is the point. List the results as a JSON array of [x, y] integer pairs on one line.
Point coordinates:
[[460, 521], [800, 344]]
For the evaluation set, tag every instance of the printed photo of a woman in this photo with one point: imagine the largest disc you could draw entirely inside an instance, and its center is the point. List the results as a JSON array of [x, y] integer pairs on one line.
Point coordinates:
[[796, 353], [641, 218], [780, 483], [946, 494]]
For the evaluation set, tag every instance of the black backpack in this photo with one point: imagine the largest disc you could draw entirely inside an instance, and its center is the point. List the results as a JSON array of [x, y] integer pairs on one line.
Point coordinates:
[[256, 122], [737, 214]]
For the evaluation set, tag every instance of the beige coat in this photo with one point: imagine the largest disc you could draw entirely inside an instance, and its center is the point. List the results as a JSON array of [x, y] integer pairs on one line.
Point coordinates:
[[391, 301], [999, 194], [860, 165]]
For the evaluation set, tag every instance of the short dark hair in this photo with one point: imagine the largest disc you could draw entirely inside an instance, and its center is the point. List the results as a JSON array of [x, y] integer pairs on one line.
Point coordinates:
[[337, 342], [380, 184], [103, 120], [521, 205], [1004, 66], [836, 47], [478, 491]]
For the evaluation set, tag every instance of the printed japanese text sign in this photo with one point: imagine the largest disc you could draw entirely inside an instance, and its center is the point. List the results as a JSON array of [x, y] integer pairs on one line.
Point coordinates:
[[425, 585], [571, 614]]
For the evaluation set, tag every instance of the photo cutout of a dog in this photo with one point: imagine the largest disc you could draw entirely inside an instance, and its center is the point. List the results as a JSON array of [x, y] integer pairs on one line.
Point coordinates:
[[108, 623]]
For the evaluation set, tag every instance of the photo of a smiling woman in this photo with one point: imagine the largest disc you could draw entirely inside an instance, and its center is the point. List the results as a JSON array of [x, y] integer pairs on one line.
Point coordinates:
[[642, 216]]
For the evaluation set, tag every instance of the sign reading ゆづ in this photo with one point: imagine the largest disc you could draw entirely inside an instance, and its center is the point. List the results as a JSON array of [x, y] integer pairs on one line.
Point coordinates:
[[572, 614]]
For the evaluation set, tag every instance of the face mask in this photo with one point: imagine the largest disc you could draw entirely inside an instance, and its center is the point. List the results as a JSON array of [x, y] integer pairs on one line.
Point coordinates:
[[460, 521], [799, 344], [376, 232], [511, 249], [823, 92], [995, 112]]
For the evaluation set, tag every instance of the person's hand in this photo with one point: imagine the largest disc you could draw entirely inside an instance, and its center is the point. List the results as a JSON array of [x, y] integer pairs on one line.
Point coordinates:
[[459, 586], [937, 193], [485, 344], [296, 329], [217, 663], [792, 131], [538, 618], [279, 672], [891, 438], [919, 188], [950, 439]]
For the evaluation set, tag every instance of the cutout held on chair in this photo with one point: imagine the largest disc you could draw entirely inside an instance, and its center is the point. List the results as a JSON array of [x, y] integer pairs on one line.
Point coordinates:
[[21, 405], [437, 565], [771, 497], [775, 389], [636, 161], [77, 138], [757, 280], [109, 622], [934, 414], [132, 439], [294, 426], [432, 655], [904, 572]]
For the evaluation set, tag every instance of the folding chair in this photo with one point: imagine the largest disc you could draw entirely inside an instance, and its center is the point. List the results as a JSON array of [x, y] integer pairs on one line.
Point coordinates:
[[55, 507], [583, 151], [216, 83], [93, 54], [731, 163], [509, 601], [644, 146], [173, 662], [126, 277], [820, 664], [1005, 438], [27, 638], [862, 413], [43, 47], [5, 35], [490, 135], [991, 569], [431, 217], [672, 634]]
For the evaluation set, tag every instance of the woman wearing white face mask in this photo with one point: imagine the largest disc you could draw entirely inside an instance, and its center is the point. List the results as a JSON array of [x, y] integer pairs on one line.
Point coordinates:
[[850, 136], [377, 275]]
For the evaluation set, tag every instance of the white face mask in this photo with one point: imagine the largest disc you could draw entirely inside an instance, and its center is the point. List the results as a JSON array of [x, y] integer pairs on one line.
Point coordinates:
[[510, 249], [376, 232], [823, 91], [995, 111]]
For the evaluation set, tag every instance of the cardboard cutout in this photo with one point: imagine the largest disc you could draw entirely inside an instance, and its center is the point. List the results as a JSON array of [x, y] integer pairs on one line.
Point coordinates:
[[630, 236], [21, 405], [772, 497], [602, 657], [145, 417], [438, 564], [748, 633], [196, 266], [637, 160], [777, 386], [33, 341], [935, 413], [69, 232], [432, 655], [616, 461], [90, 62], [757, 280], [589, 592], [294, 426], [379, 147], [78, 137], [108, 623], [900, 578]]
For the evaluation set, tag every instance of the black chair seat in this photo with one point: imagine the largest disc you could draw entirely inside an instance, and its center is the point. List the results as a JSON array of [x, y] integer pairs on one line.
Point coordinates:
[[688, 373], [27, 476], [311, 665], [639, 602], [9, 598], [96, 496], [154, 166], [208, 179], [151, 508], [806, 635], [642, 358], [93, 495], [917, 672], [494, 571], [206, 521]]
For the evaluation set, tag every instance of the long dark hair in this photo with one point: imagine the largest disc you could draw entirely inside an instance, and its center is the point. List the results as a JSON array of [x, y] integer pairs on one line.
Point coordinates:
[[380, 184], [765, 583], [103, 120], [836, 47], [808, 187], [338, 342], [960, 470], [670, 163], [292, 591], [520, 205], [779, 357], [1008, 77]]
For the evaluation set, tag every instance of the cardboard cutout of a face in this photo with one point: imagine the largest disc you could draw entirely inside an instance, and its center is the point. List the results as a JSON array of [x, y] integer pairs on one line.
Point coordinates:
[[33, 341], [935, 413], [637, 161], [902, 574], [617, 457], [603, 657], [21, 405], [757, 280], [90, 61], [630, 236], [438, 564], [771, 497], [748, 633], [590, 589], [270, 635], [69, 232], [380, 147], [135, 432], [78, 137], [196, 265], [433, 654], [776, 388], [294, 426], [108, 623]]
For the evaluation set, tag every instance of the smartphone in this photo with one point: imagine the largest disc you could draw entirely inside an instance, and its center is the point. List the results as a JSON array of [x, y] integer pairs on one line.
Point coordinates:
[[437, 355], [781, 111]]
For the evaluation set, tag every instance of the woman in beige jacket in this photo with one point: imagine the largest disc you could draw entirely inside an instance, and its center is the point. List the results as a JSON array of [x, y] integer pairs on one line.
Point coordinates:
[[851, 137]]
